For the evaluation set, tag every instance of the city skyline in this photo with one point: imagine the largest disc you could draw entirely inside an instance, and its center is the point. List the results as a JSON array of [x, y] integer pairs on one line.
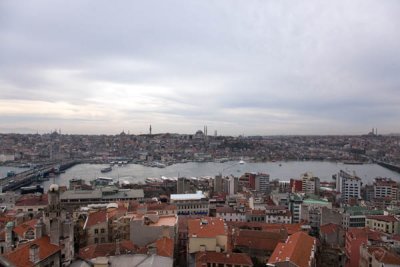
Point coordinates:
[[251, 68]]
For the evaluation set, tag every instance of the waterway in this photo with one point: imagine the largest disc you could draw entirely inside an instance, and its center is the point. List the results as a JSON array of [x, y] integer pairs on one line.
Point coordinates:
[[135, 173]]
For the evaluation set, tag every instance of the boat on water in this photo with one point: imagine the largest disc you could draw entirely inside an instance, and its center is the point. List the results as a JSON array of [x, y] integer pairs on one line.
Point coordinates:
[[108, 169], [242, 161], [353, 162]]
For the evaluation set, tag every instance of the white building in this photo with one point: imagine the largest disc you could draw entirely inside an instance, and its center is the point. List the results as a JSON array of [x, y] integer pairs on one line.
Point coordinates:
[[348, 186], [277, 214], [191, 204], [230, 215]]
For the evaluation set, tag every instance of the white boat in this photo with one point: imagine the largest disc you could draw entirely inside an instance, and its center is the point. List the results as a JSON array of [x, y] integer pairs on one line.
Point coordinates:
[[242, 161]]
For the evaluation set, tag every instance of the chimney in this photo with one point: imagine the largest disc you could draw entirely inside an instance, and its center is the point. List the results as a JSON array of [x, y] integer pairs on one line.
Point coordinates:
[[34, 253], [39, 229]]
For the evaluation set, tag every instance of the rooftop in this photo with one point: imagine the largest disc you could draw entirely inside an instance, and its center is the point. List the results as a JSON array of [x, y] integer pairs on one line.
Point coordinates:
[[206, 227], [197, 196], [297, 249], [384, 256], [165, 247], [223, 258], [106, 249], [20, 256], [165, 221], [385, 218], [95, 218]]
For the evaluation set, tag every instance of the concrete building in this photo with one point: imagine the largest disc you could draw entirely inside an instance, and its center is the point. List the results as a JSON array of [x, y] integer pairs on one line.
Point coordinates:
[[183, 185], [96, 227], [310, 183], [356, 216], [152, 227], [385, 223], [385, 187], [207, 234], [230, 214], [295, 202], [277, 214], [100, 195], [262, 183], [190, 204], [348, 186]]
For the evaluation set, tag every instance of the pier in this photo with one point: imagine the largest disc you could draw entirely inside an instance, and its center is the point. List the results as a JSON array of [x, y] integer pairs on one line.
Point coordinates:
[[28, 177]]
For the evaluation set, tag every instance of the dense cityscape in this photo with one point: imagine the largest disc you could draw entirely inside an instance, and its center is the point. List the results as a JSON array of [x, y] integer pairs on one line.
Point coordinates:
[[246, 219], [212, 133]]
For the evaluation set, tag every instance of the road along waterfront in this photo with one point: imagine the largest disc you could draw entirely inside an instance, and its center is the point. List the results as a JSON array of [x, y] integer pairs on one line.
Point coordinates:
[[136, 173]]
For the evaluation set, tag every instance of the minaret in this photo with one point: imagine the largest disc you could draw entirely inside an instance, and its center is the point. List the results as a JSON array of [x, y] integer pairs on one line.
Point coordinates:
[[150, 129]]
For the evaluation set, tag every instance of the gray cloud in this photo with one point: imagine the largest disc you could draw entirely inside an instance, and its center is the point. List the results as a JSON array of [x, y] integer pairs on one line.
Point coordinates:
[[275, 67]]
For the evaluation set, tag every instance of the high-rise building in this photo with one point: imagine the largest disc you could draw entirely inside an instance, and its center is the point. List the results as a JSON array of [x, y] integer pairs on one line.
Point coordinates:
[[262, 183], [385, 187], [183, 185], [310, 184], [348, 186]]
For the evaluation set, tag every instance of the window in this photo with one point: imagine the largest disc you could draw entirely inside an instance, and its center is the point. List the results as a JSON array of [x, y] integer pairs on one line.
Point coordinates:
[[102, 230], [96, 231]]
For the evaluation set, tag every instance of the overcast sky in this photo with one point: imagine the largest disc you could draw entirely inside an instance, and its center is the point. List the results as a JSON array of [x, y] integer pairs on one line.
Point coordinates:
[[240, 67]]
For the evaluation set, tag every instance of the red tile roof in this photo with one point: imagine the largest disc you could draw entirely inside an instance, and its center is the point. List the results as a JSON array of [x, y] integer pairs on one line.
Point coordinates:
[[385, 218], [222, 258], [21, 229], [384, 256], [165, 247], [259, 240], [206, 227], [20, 256], [297, 249], [329, 228], [96, 218], [107, 249], [32, 200]]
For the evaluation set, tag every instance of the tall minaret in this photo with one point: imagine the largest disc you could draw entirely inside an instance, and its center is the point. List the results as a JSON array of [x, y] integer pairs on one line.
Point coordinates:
[[150, 129]]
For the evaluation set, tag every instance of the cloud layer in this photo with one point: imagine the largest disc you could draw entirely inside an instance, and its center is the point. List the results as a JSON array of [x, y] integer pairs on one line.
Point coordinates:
[[240, 67]]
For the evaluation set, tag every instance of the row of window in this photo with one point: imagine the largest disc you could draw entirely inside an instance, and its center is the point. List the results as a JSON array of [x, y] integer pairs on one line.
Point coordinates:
[[102, 230]]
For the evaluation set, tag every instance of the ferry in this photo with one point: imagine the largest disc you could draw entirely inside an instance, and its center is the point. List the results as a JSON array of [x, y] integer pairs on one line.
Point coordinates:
[[108, 169]]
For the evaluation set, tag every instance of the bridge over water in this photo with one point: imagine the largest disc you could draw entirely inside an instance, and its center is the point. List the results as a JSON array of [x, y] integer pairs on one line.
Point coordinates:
[[28, 177]]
